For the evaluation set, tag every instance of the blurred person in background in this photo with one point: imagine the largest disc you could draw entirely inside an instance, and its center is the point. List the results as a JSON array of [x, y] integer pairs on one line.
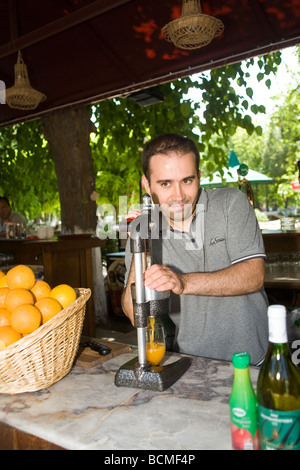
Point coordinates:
[[8, 215]]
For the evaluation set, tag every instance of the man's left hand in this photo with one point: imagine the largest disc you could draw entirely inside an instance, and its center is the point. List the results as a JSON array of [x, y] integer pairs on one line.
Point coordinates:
[[163, 278]]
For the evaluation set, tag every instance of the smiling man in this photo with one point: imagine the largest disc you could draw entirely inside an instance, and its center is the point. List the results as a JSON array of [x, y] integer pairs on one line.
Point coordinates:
[[174, 185], [212, 260]]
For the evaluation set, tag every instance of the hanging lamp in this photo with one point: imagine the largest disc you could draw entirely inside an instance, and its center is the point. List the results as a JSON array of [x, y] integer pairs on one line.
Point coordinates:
[[21, 95], [192, 29]]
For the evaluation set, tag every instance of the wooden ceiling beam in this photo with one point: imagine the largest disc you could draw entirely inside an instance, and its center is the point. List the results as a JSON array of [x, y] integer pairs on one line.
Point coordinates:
[[98, 7]]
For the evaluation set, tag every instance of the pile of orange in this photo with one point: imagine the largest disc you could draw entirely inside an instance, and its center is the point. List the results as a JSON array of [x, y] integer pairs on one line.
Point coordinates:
[[26, 304]]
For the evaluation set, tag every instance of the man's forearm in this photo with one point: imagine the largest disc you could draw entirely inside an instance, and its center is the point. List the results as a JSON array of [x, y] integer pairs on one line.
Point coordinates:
[[127, 305], [239, 279]]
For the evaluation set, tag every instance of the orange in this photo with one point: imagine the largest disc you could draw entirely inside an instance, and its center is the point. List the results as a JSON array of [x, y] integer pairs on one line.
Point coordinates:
[[8, 336], [3, 281], [3, 292], [20, 276], [26, 318], [64, 294], [17, 297], [48, 307], [41, 289], [1, 274], [4, 317]]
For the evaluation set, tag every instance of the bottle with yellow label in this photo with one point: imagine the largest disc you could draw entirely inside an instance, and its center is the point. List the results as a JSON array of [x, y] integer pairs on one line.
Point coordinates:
[[278, 389]]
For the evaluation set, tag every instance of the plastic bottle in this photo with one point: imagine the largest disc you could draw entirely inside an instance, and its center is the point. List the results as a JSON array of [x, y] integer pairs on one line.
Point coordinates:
[[243, 406], [278, 389]]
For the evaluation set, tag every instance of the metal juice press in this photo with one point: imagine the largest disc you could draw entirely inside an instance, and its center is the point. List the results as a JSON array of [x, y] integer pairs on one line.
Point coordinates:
[[138, 373]]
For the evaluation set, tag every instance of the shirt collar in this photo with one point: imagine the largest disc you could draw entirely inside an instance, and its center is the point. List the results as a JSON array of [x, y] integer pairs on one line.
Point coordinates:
[[202, 203]]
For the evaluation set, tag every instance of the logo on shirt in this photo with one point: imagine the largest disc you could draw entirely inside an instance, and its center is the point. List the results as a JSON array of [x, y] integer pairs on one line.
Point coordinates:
[[215, 240]]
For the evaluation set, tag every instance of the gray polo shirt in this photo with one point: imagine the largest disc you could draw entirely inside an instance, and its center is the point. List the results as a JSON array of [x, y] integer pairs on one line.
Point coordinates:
[[223, 232]]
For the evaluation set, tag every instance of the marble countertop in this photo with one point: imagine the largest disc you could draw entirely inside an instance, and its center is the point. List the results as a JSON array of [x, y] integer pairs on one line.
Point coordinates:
[[85, 410]]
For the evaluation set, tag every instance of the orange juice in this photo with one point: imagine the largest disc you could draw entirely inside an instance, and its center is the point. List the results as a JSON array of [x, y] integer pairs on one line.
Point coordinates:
[[155, 353], [155, 347]]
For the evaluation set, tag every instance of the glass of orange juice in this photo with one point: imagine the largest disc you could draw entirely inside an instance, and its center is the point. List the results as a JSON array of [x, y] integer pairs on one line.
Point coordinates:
[[155, 342]]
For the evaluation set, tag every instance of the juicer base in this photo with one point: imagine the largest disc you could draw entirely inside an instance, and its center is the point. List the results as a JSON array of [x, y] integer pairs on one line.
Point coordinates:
[[148, 377]]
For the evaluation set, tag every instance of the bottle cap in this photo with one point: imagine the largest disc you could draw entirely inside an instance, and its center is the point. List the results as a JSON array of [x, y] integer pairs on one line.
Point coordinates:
[[277, 311], [277, 324], [241, 360]]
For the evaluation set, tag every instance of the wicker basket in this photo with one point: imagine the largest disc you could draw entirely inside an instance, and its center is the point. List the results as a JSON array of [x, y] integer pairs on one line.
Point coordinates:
[[46, 355], [21, 95], [192, 29]]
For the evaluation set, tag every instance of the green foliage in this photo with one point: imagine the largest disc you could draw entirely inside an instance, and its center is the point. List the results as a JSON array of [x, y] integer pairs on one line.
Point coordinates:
[[261, 216], [282, 150], [122, 127], [27, 178], [275, 153]]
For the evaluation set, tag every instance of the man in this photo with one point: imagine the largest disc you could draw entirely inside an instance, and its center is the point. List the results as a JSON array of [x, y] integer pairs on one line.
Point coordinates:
[[212, 260], [8, 215]]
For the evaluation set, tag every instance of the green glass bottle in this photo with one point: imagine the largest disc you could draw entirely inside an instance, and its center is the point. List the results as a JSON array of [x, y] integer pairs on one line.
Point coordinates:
[[243, 406], [278, 389]]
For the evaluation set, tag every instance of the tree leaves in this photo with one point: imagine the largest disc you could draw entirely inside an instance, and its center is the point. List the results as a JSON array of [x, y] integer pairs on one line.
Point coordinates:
[[222, 103], [27, 171]]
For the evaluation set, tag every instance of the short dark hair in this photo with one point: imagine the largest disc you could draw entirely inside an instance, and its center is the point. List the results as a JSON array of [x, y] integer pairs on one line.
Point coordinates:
[[3, 198], [165, 144]]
